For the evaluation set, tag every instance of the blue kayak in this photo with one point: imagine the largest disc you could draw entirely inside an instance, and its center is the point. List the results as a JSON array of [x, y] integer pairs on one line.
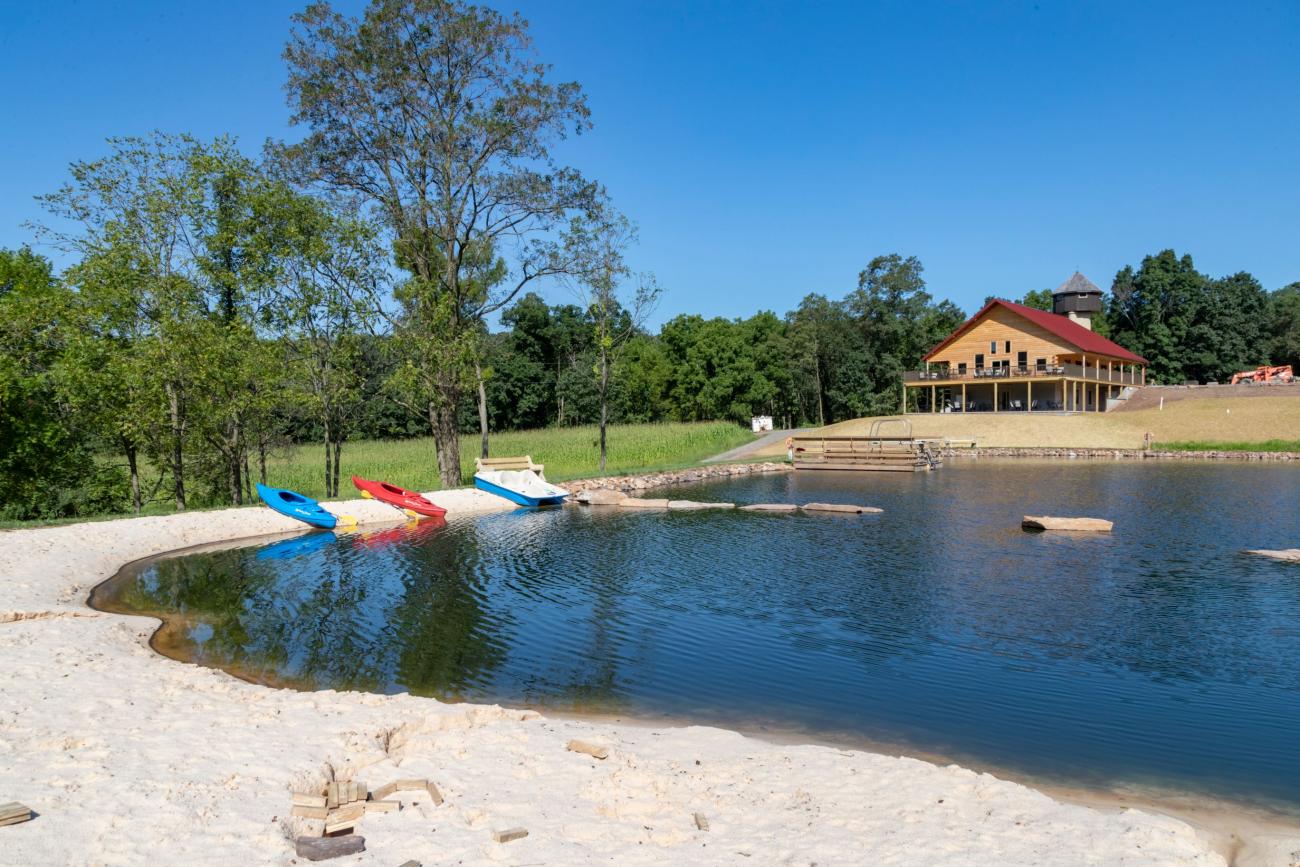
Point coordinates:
[[294, 505]]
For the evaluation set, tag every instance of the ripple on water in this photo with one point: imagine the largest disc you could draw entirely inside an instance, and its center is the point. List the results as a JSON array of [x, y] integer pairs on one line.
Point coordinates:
[[1157, 654]]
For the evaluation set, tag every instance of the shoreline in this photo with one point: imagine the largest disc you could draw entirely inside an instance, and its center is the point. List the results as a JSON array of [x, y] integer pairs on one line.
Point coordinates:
[[72, 748]]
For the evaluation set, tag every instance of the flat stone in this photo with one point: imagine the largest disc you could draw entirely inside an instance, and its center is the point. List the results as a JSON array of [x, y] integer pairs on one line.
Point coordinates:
[[602, 497], [840, 507], [770, 507], [1290, 555], [692, 504], [1078, 525], [325, 848], [509, 834], [639, 503], [596, 751]]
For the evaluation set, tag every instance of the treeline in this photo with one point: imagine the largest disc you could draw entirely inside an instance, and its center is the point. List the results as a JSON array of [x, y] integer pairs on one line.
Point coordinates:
[[219, 307]]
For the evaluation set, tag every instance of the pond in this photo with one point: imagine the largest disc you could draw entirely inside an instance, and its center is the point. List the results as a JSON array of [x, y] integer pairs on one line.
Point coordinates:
[[1156, 656]]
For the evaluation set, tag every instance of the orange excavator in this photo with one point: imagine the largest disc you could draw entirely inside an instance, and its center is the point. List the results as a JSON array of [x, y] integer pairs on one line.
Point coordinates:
[[1265, 374]]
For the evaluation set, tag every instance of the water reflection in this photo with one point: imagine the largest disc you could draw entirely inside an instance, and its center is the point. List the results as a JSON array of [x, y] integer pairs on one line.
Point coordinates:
[[1156, 654]]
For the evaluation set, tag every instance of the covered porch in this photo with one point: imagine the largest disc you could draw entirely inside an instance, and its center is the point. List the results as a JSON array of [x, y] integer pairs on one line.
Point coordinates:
[[1010, 394]]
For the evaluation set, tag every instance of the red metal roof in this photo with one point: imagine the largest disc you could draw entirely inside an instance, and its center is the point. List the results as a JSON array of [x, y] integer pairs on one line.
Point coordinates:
[[1071, 332]]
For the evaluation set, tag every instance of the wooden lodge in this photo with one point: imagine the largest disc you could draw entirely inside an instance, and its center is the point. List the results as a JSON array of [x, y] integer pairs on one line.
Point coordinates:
[[1012, 358]]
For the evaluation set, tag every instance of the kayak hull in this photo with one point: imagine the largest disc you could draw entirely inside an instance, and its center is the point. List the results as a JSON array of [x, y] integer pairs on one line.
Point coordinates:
[[297, 506], [554, 497], [401, 498]]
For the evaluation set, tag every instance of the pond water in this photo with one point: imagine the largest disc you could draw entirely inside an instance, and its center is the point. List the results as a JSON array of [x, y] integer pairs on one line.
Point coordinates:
[[1159, 655]]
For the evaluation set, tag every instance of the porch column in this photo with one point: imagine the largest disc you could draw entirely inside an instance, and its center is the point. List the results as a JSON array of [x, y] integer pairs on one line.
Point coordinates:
[[1144, 376], [931, 394], [1029, 396], [963, 397], [995, 395]]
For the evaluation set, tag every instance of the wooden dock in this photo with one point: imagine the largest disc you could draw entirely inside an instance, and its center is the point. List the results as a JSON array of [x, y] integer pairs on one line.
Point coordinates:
[[877, 451]]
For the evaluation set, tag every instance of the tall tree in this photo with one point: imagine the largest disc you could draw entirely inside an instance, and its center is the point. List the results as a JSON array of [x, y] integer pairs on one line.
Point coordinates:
[[1284, 325], [437, 114], [898, 321], [616, 315]]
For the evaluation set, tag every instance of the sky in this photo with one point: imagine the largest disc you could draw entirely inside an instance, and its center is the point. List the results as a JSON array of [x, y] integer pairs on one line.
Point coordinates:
[[768, 150]]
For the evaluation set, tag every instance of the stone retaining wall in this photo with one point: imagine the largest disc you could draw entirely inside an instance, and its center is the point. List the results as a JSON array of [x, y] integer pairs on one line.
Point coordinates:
[[675, 477], [1116, 454]]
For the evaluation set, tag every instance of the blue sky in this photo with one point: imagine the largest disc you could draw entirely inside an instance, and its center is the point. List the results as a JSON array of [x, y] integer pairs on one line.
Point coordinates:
[[768, 150]]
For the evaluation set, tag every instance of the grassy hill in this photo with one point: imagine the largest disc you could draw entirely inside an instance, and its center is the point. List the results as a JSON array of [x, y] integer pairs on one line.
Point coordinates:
[[1212, 422], [568, 453]]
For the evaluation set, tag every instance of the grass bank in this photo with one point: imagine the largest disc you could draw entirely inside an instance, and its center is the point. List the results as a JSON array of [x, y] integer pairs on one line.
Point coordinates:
[[1213, 446], [568, 453]]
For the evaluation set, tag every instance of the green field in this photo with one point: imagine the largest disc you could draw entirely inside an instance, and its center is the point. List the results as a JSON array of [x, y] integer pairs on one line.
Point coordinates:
[[568, 453]]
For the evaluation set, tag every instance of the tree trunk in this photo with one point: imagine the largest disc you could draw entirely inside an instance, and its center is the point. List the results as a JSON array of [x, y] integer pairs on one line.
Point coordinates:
[[328, 458], [177, 455], [261, 458], [133, 467], [482, 410], [821, 413], [248, 480], [235, 464], [604, 404], [446, 440], [338, 449]]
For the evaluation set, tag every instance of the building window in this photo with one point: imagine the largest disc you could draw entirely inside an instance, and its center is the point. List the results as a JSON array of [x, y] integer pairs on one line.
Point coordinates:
[[979, 361], [993, 347], [961, 368], [1022, 360], [1008, 347], [1041, 364]]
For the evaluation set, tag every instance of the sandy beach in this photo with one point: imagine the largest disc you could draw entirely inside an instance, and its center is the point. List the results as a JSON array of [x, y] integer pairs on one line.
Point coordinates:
[[128, 757]]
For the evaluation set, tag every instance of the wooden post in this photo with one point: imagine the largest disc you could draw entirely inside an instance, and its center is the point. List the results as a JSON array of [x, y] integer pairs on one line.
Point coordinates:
[[1144, 376], [963, 397], [995, 395], [1029, 396]]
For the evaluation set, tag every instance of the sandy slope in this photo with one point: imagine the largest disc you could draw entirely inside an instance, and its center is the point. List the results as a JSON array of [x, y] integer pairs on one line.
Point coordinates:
[[132, 758]]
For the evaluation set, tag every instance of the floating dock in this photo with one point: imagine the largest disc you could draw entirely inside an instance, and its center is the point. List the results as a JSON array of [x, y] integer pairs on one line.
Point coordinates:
[[895, 451]]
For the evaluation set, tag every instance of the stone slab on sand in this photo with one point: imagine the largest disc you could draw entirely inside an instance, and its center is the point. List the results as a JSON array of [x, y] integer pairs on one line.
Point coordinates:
[[125, 754], [1076, 525]]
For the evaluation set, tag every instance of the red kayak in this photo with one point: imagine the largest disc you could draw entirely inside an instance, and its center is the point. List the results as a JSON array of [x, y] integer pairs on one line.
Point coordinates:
[[399, 497]]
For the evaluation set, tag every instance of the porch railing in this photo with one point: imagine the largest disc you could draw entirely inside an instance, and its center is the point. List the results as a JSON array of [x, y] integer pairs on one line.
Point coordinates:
[[1115, 376]]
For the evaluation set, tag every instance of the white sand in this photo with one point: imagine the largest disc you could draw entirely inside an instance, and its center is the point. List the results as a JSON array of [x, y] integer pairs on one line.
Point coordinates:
[[132, 758]]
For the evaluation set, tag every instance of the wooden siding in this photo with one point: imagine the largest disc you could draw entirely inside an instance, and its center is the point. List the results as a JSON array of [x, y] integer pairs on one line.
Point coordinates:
[[1000, 324]]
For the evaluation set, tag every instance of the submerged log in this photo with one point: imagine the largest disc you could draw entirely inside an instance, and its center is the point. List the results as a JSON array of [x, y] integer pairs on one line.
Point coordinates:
[[770, 507], [1038, 523], [839, 507], [324, 848], [1289, 555]]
